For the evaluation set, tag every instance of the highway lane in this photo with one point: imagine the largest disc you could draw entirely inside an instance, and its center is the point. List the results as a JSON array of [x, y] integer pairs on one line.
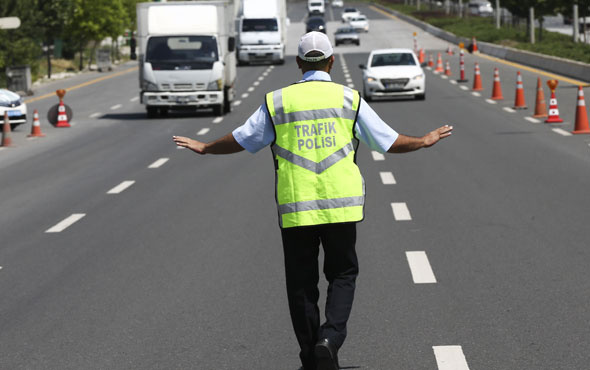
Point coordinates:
[[183, 269]]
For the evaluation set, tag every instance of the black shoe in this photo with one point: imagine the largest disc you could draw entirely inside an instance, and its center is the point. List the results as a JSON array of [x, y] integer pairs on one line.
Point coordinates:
[[326, 355]]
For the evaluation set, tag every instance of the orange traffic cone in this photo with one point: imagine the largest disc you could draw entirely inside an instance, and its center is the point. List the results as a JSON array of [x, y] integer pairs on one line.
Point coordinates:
[[540, 107], [421, 56], [36, 128], [474, 48], [448, 69], [430, 61], [581, 126], [449, 50], [497, 90], [477, 79], [439, 64], [6, 139], [553, 110], [519, 102], [62, 117]]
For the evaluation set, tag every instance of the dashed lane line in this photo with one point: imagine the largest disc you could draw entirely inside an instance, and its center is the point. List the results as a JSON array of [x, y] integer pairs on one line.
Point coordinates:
[[134, 99], [94, 115], [237, 102], [450, 358], [158, 163], [251, 88], [420, 267], [256, 83], [463, 87], [490, 101], [217, 120], [121, 187], [387, 178], [475, 93], [203, 131], [351, 86], [508, 109], [401, 211], [116, 106], [531, 119], [561, 132], [67, 222], [245, 95], [453, 82], [377, 156]]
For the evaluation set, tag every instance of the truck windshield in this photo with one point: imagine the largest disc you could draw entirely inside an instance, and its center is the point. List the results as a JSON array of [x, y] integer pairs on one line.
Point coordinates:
[[260, 25], [182, 52]]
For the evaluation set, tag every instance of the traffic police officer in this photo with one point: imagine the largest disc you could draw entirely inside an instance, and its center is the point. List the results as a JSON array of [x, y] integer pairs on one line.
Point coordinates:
[[314, 127]]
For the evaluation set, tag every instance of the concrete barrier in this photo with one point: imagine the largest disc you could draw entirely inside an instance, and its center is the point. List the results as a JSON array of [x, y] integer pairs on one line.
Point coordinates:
[[564, 67]]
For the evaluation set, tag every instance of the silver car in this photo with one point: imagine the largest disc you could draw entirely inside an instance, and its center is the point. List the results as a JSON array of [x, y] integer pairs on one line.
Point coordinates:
[[346, 35]]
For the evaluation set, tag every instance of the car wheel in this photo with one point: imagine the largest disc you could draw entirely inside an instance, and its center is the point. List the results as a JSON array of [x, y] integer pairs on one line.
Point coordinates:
[[358, 43], [366, 96], [420, 96]]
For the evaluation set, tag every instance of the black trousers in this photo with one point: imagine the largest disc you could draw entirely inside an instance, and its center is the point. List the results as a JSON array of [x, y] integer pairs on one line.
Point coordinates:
[[301, 248]]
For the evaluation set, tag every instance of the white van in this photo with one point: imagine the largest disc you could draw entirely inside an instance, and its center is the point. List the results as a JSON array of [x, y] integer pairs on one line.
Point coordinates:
[[316, 7]]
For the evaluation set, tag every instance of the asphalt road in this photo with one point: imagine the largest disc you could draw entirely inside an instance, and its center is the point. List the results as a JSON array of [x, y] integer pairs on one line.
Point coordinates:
[[483, 264]]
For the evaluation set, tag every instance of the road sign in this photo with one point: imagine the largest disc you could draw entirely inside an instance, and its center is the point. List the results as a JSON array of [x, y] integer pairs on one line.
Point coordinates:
[[9, 23]]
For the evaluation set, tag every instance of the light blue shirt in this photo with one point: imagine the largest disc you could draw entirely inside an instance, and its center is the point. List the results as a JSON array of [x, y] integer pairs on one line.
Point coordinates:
[[258, 132]]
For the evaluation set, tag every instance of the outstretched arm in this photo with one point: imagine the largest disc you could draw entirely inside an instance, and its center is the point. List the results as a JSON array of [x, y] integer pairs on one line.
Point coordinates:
[[405, 144], [224, 145]]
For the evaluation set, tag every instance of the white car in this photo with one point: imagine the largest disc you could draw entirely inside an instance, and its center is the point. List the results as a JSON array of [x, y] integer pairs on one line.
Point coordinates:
[[337, 3], [359, 23], [348, 13], [12, 104], [393, 72]]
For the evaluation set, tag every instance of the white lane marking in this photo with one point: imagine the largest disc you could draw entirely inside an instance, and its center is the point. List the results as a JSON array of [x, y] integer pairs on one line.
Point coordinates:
[[508, 109], [377, 156], [251, 88], [158, 163], [463, 87], [260, 78], [453, 82], [401, 212], [121, 187], [116, 106], [351, 86], [0, 267], [561, 132], [256, 83], [67, 222], [180, 147], [387, 178], [136, 98], [444, 77], [450, 358], [265, 73], [217, 120], [531, 119], [245, 95], [203, 131], [237, 102], [94, 115], [491, 101], [420, 267], [475, 93], [349, 80], [2, 147]]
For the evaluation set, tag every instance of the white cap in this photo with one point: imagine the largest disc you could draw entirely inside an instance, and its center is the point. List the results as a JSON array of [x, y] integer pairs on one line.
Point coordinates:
[[315, 41]]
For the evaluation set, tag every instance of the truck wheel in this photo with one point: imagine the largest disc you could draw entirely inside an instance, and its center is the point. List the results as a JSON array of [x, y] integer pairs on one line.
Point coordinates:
[[218, 110], [164, 112], [152, 112], [226, 102]]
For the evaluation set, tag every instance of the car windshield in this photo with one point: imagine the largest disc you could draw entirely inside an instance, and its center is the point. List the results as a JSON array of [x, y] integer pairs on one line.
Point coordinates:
[[350, 10], [316, 4], [358, 19], [182, 52], [393, 59], [315, 21], [345, 30], [260, 25]]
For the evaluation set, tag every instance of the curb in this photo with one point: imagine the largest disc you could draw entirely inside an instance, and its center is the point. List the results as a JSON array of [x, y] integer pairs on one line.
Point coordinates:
[[564, 67]]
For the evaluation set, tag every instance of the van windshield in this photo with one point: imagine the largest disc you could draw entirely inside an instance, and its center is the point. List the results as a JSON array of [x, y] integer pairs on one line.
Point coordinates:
[[260, 25], [182, 52]]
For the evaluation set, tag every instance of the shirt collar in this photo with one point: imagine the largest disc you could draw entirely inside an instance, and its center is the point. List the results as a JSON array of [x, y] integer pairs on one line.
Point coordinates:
[[316, 76]]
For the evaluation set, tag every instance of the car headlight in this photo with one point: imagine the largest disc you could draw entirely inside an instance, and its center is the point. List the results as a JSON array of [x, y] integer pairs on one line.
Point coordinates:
[[215, 85], [149, 86], [371, 79], [418, 77]]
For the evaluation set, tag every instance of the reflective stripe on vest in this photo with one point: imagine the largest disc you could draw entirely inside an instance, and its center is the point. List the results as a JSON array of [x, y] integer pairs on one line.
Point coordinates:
[[318, 181]]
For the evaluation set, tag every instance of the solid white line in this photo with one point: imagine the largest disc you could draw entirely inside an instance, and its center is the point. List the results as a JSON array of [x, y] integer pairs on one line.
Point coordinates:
[[377, 156], [508, 109], [251, 88], [245, 95], [117, 106], [62, 225], [203, 131], [387, 178], [561, 132], [401, 212], [136, 98], [475, 93], [453, 82], [491, 101], [158, 163], [94, 115], [531, 119], [420, 267], [463, 87], [217, 120], [450, 358], [237, 102], [119, 188]]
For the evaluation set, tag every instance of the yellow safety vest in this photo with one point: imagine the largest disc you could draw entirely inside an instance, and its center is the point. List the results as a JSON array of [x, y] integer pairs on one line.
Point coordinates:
[[317, 179]]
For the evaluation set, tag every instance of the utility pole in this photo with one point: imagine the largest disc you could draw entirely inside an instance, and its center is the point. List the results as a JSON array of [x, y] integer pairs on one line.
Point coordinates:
[[576, 23], [498, 13], [532, 24]]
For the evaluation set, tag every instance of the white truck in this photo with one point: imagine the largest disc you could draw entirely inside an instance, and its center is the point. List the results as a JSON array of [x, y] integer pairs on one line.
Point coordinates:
[[315, 7], [262, 31], [187, 55]]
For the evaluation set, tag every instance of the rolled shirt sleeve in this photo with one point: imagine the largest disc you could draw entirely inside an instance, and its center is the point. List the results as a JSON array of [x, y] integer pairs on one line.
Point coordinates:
[[371, 130], [257, 132]]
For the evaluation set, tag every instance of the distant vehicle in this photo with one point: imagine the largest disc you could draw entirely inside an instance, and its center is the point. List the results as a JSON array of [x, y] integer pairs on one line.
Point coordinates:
[[346, 35], [316, 24], [337, 3], [481, 8], [348, 13], [316, 7], [13, 104], [393, 72], [359, 23]]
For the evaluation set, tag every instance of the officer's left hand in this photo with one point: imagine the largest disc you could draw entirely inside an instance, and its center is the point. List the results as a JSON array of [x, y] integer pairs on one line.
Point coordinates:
[[194, 145]]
